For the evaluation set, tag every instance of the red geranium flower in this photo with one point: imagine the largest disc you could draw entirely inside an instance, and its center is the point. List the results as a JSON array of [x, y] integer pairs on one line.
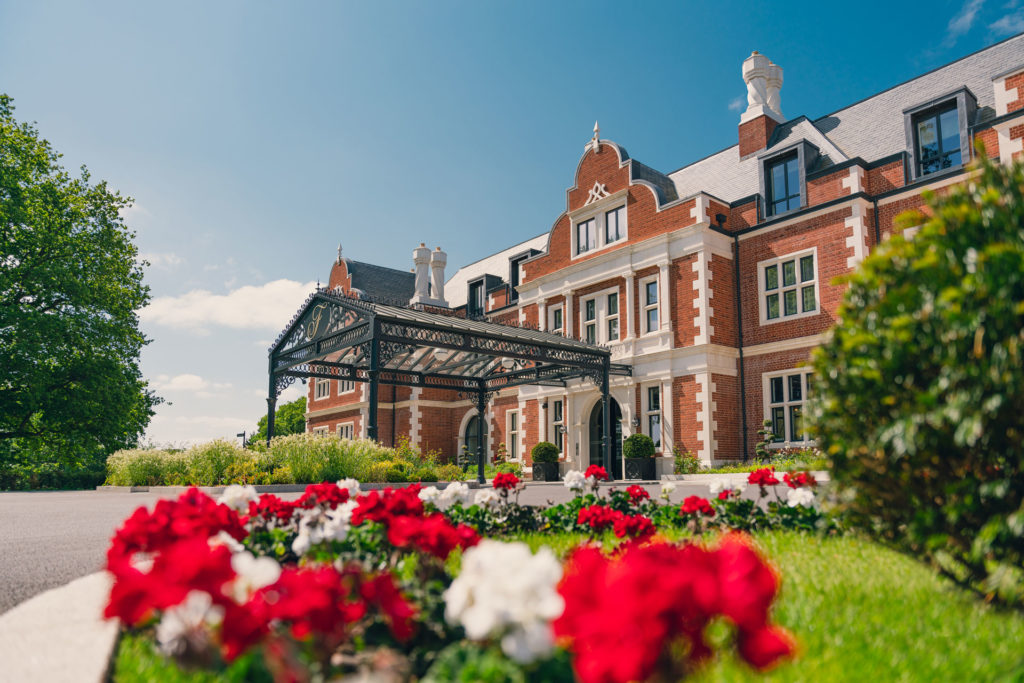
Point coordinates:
[[380, 507], [327, 494], [637, 494], [313, 601], [763, 477], [398, 612], [634, 526], [597, 517], [505, 480], [271, 508], [695, 504], [626, 616], [597, 472], [799, 479], [724, 494]]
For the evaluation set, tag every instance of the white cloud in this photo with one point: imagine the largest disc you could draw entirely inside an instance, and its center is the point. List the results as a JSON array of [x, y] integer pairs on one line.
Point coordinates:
[[163, 261], [737, 103], [963, 21], [1008, 25], [192, 429], [189, 383], [264, 307]]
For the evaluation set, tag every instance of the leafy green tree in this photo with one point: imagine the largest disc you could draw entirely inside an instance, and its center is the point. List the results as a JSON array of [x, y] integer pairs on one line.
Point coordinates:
[[920, 397], [289, 418], [70, 285]]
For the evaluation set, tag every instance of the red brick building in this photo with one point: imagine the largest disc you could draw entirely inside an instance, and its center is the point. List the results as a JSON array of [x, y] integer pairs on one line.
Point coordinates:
[[713, 281]]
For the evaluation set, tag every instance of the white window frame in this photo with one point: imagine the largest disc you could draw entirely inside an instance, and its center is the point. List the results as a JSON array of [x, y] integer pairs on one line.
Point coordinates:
[[513, 449], [786, 404], [558, 439], [321, 431], [780, 289], [321, 389], [349, 427], [351, 384], [645, 307], [610, 318], [649, 412], [560, 308], [598, 212], [601, 316]]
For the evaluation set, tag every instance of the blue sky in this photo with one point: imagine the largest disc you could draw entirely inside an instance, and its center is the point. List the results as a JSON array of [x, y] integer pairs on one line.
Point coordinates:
[[256, 136]]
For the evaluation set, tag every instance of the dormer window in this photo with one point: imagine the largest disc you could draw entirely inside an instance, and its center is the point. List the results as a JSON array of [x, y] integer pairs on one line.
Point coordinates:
[[937, 139], [475, 303], [936, 132], [782, 184], [784, 177]]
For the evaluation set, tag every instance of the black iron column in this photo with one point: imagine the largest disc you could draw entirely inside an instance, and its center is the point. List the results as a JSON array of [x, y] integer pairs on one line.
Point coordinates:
[[271, 403], [374, 373], [606, 419], [481, 406]]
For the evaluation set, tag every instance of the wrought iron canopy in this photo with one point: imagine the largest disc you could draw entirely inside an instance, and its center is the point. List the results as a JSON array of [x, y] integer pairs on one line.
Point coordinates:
[[334, 336]]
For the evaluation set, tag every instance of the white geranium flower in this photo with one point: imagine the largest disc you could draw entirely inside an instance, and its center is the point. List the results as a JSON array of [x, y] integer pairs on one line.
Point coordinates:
[[800, 496], [237, 497], [252, 573], [575, 481], [487, 498], [719, 485], [667, 488], [430, 494], [317, 526], [505, 590], [455, 492], [226, 539], [185, 626], [351, 484]]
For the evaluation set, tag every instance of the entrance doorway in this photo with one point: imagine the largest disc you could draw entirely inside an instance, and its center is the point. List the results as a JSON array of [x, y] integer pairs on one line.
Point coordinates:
[[471, 439], [597, 431]]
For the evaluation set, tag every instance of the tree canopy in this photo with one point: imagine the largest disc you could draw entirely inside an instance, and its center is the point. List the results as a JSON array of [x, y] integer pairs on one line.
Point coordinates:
[[289, 418], [70, 286]]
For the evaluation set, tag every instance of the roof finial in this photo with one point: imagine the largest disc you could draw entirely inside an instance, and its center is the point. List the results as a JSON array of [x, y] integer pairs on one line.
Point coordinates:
[[339, 252], [595, 142]]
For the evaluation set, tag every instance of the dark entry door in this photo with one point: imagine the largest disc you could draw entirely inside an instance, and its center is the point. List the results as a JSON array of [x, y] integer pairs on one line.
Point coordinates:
[[597, 431]]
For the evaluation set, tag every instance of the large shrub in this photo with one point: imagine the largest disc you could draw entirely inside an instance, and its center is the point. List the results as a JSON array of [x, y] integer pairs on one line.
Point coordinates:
[[920, 392], [638, 446], [544, 451]]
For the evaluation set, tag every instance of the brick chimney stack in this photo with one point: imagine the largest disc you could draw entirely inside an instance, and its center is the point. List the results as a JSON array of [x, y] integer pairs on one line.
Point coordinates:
[[764, 109]]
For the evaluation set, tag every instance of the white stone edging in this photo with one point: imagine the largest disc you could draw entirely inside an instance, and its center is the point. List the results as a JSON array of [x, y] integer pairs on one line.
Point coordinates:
[[60, 635]]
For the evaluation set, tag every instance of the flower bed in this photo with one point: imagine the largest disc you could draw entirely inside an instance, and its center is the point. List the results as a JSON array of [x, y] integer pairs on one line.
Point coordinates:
[[340, 582]]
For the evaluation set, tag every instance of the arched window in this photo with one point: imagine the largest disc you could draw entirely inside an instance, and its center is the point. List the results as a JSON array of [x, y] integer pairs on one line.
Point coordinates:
[[472, 436]]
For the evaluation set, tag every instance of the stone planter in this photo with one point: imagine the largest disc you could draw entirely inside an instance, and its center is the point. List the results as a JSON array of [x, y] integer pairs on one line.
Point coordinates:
[[640, 468], [545, 471]]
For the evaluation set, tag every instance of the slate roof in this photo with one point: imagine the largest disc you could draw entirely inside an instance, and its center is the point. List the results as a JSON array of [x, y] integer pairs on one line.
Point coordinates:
[[378, 283], [870, 129]]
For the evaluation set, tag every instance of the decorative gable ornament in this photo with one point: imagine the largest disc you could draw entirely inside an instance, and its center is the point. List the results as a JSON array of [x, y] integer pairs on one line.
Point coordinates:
[[599, 191]]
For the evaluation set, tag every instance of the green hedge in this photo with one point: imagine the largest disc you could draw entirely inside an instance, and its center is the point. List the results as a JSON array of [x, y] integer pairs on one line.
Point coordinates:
[[293, 459]]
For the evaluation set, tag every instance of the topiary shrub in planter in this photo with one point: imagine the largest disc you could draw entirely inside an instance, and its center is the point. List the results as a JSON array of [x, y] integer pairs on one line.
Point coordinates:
[[545, 461], [919, 397], [638, 451]]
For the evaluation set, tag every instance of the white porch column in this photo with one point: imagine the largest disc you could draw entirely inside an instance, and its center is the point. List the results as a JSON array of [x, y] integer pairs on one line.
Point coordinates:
[[567, 316], [630, 306], [664, 309], [542, 316], [667, 416]]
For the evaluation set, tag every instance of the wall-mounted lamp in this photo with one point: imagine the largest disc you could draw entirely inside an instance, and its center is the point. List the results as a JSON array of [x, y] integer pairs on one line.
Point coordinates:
[[635, 422], [442, 354], [508, 363]]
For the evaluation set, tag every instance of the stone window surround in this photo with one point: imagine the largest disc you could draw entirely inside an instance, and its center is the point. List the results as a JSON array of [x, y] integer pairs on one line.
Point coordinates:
[[341, 431], [325, 392], [600, 299], [762, 291], [643, 307], [597, 211], [766, 388], [514, 454]]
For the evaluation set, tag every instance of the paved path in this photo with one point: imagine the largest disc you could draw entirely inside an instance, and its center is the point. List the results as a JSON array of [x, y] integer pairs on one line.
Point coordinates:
[[50, 538]]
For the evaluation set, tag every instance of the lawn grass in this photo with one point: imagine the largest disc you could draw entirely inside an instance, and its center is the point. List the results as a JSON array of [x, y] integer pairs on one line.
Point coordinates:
[[860, 612]]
